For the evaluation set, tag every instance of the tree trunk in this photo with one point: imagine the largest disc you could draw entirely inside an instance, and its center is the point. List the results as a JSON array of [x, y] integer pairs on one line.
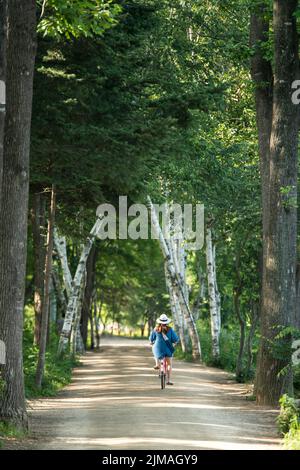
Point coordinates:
[[46, 297], [77, 345], [89, 289], [3, 32], [237, 292], [175, 308], [200, 295], [177, 284], [213, 295], [53, 302], [97, 323], [297, 312], [254, 321], [280, 226], [179, 256], [262, 76], [21, 46], [92, 327], [62, 304], [38, 220], [242, 322], [76, 289], [61, 248]]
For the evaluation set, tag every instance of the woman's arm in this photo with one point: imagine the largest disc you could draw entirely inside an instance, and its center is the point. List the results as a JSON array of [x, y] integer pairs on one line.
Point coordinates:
[[152, 337], [174, 337]]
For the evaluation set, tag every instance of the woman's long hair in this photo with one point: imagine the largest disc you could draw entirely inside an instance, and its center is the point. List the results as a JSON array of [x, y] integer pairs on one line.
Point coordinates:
[[159, 328]]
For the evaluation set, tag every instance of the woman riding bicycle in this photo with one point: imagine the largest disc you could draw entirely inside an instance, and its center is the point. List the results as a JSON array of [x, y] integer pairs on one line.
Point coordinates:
[[162, 339]]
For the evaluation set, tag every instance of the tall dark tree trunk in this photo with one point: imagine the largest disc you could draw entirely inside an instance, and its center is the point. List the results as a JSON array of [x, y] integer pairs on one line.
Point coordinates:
[[237, 292], [88, 293], [262, 76], [62, 302], [254, 320], [46, 296], [280, 224], [21, 46], [297, 313], [242, 322], [97, 317], [38, 219], [92, 327], [3, 31]]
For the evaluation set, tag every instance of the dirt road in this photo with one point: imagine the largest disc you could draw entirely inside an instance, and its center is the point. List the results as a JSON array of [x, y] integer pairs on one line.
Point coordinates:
[[114, 402]]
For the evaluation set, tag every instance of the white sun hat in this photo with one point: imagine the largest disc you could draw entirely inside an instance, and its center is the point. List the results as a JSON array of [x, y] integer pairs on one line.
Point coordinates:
[[163, 319]]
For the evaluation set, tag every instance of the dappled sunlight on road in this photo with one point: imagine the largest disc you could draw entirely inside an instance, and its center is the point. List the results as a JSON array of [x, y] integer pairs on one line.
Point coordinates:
[[160, 443]]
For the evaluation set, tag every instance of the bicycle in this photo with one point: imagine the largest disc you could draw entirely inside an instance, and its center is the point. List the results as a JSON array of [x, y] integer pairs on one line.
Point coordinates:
[[163, 372]]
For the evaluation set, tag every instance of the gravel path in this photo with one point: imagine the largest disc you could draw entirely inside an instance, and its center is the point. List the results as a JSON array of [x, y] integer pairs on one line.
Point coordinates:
[[114, 402]]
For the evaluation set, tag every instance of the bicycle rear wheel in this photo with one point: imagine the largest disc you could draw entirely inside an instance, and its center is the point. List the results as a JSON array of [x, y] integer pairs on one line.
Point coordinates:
[[163, 371], [163, 380]]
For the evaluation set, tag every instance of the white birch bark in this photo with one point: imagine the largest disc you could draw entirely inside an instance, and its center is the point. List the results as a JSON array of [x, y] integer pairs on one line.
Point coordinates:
[[60, 295], [177, 252], [214, 298], [76, 289], [176, 311], [176, 283], [201, 293], [181, 255], [218, 297], [61, 248]]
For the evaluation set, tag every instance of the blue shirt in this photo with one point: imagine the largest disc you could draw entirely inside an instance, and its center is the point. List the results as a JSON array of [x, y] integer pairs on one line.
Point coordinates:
[[160, 348]]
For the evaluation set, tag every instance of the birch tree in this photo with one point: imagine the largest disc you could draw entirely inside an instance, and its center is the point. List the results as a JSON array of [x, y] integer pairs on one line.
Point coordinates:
[[177, 252], [61, 248], [59, 293], [176, 311], [201, 292], [176, 283], [77, 344], [77, 286]]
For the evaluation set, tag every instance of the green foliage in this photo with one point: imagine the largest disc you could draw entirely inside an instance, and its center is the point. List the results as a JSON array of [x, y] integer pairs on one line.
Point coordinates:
[[180, 355], [132, 286], [57, 373], [229, 347], [281, 346], [289, 414], [292, 438], [289, 197], [9, 430], [77, 18]]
